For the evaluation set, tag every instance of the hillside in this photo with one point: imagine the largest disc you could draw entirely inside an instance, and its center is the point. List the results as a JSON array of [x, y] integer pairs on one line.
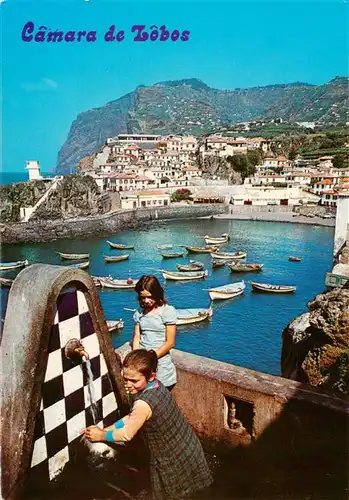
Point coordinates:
[[191, 107]]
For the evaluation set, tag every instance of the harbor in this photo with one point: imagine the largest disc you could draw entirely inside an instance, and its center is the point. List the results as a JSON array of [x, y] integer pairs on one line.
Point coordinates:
[[240, 331]]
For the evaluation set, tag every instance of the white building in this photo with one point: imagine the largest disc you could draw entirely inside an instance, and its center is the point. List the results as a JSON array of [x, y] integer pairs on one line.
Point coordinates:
[[145, 199], [33, 167]]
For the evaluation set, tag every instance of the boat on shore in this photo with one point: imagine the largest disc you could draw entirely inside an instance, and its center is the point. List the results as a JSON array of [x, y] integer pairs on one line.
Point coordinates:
[[237, 267], [73, 256], [270, 288], [119, 258], [183, 276], [115, 325], [198, 249], [6, 266], [116, 284], [217, 263], [228, 255], [6, 282], [79, 265], [190, 316], [171, 255], [120, 246], [294, 259], [194, 265], [211, 240], [227, 291]]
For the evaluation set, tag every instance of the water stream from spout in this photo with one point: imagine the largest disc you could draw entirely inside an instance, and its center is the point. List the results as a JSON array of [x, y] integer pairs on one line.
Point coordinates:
[[91, 391]]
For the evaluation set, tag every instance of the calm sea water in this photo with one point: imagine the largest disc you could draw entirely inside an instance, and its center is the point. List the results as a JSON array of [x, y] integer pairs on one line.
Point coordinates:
[[245, 331], [12, 177]]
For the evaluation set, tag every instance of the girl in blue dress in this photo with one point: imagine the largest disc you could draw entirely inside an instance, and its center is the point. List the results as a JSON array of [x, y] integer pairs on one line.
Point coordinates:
[[155, 327]]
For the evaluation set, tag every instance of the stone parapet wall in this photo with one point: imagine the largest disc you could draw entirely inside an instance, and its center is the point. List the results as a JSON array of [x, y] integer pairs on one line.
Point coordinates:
[[252, 209], [101, 225]]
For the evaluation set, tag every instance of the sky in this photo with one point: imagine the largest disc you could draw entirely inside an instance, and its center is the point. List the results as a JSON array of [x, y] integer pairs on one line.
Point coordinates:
[[232, 44]]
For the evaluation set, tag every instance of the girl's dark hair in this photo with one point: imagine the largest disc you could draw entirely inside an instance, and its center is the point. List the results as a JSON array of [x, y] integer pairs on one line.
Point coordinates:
[[152, 285], [145, 362]]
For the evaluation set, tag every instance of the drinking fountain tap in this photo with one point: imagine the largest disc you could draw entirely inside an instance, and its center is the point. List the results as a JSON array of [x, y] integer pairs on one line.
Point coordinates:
[[75, 349]]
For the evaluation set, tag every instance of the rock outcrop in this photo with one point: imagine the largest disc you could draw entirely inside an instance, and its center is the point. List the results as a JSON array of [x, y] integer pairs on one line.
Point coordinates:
[[13, 197], [215, 165], [315, 347], [75, 196]]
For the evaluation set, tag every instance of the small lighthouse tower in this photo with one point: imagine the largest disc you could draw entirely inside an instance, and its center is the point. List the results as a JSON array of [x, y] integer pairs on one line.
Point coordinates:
[[33, 170]]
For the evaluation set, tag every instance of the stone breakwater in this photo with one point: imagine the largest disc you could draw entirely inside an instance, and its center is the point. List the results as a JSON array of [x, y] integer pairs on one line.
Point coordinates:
[[101, 225]]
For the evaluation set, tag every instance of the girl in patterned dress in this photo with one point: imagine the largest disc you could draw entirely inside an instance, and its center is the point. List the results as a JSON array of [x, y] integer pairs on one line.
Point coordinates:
[[155, 327], [178, 468]]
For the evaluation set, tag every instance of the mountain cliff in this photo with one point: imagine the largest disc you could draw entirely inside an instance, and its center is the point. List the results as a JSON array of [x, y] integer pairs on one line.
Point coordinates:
[[191, 107]]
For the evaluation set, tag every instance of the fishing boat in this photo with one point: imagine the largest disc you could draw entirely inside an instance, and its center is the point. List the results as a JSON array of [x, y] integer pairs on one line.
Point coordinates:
[[73, 256], [118, 258], [196, 249], [211, 240], [217, 263], [115, 325], [80, 265], [171, 255], [117, 284], [190, 316], [194, 265], [5, 266], [120, 246], [183, 276], [165, 246], [228, 255], [227, 291], [6, 282], [294, 259], [269, 288], [237, 267]]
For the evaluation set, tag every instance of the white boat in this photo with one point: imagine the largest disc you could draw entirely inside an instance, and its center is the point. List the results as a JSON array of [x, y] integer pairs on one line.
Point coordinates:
[[73, 256], [190, 316], [164, 246], [80, 265], [229, 255], [217, 241], [183, 276], [269, 288], [227, 291], [115, 325], [4, 266], [117, 284], [6, 282]]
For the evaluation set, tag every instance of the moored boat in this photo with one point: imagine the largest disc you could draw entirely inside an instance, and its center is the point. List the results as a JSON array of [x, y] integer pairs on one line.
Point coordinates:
[[6, 282], [117, 284], [198, 249], [119, 258], [211, 240], [5, 266], [183, 276], [294, 259], [165, 246], [115, 325], [73, 256], [217, 263], [227, 291], [270, 288], [228, 255], [171, 255], [120, 246], [194, 315], [79, 265], [194, 265], [237, 267]]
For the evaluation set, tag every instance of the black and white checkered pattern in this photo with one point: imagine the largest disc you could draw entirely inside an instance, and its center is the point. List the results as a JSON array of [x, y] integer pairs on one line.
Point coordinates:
[[66, 405]]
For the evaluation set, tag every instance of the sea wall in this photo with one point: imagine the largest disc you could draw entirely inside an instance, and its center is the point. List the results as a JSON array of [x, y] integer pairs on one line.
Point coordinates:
[[101, 225]]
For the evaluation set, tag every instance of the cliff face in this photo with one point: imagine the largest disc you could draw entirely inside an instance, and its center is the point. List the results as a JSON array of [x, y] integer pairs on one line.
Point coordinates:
[[315, 346], [21, 194], [191, 107], [213, 165], [75, 196]]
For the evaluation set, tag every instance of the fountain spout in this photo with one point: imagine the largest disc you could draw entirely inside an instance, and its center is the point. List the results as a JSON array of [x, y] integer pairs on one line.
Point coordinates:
[[74, 349]]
